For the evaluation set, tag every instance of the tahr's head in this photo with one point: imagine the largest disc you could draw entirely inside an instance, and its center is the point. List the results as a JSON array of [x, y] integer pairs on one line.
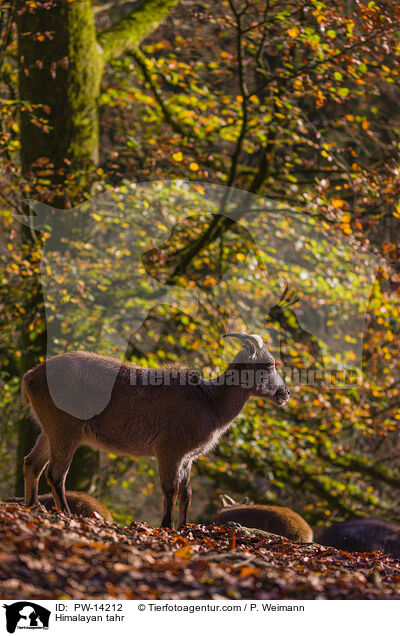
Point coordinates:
[[262, 377]]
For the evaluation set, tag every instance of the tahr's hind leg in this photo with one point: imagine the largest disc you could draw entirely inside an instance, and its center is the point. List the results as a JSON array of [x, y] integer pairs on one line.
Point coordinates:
[[34, 464], [56, 474]]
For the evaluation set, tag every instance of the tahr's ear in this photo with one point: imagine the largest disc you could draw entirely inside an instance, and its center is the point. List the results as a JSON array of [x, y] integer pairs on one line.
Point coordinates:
[[226, 501]]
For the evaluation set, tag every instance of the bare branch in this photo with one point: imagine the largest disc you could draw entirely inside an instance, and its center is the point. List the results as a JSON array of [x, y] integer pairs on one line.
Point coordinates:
[[147, 67]]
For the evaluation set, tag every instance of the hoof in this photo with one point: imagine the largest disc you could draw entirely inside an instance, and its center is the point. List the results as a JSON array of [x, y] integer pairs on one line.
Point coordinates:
[[37, 507]]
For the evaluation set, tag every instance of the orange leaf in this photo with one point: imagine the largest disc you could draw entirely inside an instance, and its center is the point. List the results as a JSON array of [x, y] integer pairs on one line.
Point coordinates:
[[183, 540], [246, 571]]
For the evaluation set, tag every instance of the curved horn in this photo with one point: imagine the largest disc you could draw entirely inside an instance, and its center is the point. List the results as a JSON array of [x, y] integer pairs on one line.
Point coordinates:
[[252, 343]]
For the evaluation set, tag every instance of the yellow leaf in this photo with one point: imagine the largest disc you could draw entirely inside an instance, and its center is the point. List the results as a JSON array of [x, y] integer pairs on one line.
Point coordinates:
[[194, 166], [177, 156], [346, 223], [337, 203], [293, 32], [184, 553]]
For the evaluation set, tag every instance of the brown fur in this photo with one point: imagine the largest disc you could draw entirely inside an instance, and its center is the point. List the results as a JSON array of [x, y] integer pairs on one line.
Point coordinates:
[[363, 535], [80, 503], [275, 519], [174, 422]]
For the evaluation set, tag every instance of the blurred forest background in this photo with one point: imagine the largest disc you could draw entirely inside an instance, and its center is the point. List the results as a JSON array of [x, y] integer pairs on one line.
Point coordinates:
[[296, 103]]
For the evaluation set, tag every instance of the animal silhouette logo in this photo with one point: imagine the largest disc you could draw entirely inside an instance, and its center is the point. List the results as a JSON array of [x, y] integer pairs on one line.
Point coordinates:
[[26, 615], [106, 266]]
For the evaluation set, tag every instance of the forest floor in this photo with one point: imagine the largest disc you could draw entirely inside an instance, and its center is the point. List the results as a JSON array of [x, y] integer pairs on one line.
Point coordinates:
[[52, 556]]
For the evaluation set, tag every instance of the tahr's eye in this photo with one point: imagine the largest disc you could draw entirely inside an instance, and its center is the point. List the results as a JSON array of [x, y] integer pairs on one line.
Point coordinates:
[[270, 365]]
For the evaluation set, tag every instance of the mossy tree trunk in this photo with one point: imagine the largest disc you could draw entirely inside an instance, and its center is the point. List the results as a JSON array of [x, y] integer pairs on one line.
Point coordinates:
[[61, 61], [60, 67]]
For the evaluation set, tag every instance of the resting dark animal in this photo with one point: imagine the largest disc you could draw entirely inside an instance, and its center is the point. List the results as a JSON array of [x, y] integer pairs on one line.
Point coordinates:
[[363, 535]]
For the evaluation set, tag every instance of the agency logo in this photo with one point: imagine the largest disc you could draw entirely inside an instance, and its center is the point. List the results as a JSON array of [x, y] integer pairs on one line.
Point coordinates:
[[26, 615]]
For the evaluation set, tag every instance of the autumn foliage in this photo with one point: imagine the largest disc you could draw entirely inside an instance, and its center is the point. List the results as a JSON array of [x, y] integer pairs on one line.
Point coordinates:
[[295, 103]]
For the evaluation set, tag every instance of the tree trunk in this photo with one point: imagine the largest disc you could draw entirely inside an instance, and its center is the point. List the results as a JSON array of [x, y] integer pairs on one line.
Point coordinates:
[[60, 67]]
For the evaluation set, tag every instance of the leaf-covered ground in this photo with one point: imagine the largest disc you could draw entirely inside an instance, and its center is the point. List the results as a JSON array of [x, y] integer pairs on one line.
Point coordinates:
[[51, 556]]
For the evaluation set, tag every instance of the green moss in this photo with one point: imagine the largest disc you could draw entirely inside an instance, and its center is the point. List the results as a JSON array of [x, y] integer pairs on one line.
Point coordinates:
[[84, 77], [130, 31], [61, 72]]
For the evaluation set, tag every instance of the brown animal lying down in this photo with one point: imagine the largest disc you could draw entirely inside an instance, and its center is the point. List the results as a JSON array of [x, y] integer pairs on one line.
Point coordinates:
[[363, 535], [276, 519], [80, 503]]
